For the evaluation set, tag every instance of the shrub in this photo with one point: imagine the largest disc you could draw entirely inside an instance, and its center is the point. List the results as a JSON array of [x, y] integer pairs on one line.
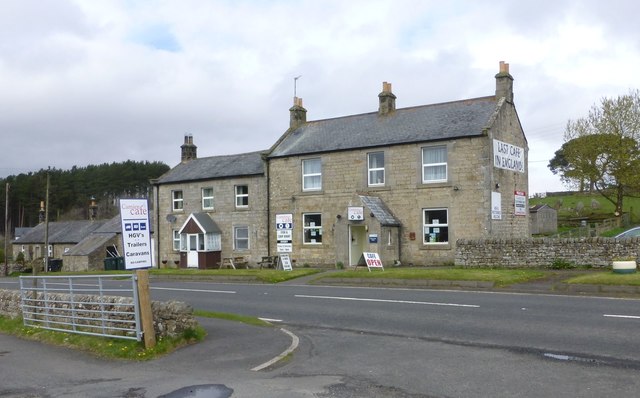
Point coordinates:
[[560, 263]]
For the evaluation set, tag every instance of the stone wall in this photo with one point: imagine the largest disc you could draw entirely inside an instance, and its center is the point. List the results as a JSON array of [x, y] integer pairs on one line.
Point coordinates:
[[518, 253], [170, 319]]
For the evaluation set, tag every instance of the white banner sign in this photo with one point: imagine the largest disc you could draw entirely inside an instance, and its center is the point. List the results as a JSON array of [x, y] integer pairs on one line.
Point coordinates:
[[136, 233], [508, 157], [284, 247]]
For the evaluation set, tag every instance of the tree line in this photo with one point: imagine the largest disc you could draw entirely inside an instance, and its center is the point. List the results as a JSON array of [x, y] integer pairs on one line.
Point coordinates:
[[71, 191]]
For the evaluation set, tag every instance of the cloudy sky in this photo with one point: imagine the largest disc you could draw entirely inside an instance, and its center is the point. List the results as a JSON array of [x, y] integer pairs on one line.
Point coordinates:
[[86, 82]]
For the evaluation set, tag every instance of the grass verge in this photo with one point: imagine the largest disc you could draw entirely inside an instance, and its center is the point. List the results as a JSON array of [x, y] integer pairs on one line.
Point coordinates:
[[250, 320], [606, 278], [101, 347], [501, 277]]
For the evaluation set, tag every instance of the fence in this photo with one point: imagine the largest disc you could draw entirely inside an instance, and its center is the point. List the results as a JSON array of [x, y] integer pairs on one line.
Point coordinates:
[[100, 305]]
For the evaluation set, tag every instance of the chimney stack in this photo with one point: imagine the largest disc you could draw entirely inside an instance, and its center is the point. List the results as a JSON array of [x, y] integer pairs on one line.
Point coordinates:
[[189, 151], [297, 114], [504, 83], [387, 100]]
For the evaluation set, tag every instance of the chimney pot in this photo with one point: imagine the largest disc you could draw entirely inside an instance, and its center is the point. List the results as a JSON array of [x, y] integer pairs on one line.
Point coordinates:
[[297, 114], [504, 83], [188, 150]]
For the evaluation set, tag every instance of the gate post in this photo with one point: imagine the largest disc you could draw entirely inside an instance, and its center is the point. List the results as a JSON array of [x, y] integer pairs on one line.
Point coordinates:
[[146, 314]]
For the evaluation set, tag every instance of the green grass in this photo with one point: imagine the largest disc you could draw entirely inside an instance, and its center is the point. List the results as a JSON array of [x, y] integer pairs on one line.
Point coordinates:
[[101, 347], [263, 275], [605, 208], [606, 278], [249, 320], [501, 277]]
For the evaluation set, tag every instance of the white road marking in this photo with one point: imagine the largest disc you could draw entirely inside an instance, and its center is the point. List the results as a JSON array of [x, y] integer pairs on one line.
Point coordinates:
[[194, 290], [621, 316], [389, 301], [294, 344], [270, 320]]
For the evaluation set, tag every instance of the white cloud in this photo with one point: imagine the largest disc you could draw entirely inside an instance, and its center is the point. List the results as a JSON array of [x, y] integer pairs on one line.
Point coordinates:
[[85, 81]]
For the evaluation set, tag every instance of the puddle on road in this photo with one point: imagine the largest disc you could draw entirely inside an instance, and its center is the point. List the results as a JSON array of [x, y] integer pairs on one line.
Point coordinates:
[[201, 391]]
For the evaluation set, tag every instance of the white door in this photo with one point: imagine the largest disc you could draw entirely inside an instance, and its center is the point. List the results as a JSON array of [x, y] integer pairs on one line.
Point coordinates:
[[357, 235], [192, 251]]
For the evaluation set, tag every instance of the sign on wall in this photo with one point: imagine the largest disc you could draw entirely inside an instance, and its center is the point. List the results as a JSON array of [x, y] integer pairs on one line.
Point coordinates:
[[520, 203], [507, 156], [136, 233], [355, 213], [496, 206]]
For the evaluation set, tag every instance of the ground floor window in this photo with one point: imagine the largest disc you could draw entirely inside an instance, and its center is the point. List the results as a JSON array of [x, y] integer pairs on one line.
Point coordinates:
[[312, 228], [176, 240], [436, 226], [241, 238]]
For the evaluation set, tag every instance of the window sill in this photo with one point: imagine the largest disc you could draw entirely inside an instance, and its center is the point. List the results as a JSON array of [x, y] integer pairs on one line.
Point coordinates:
[[436, 246], [442, 184]]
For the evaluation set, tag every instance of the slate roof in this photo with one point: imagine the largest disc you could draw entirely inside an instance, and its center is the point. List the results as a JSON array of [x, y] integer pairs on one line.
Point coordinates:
[[203, 219], [243, 164], [380, 211], [61, 232], [90, 244], [435, 122]]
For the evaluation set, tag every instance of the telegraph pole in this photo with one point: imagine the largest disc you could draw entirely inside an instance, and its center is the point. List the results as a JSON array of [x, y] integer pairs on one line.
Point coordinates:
[[46, 227], [6, 232]]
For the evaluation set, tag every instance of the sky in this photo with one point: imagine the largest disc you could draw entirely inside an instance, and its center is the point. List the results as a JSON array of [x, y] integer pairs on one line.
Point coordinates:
[[88, 82]]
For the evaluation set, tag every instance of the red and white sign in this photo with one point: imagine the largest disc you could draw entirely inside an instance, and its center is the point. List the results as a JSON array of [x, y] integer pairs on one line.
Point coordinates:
[[520, 203], [372, 260]]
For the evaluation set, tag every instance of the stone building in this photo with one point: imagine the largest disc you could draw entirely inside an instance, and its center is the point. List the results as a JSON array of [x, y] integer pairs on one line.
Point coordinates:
[[209, 208], [544, 219], [405, 183]]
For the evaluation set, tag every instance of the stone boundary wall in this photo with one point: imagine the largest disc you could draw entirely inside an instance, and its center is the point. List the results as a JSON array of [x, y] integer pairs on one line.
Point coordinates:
[[543, 252], [170, 319]]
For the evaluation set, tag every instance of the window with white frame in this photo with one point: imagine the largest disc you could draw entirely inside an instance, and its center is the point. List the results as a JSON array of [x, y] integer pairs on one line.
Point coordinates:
[[376, 168], [312, 228], [242, 196], [311, 175], [207, 198], [436, 226], [241, 237], [434, 164], [177, 200], [176, 240]]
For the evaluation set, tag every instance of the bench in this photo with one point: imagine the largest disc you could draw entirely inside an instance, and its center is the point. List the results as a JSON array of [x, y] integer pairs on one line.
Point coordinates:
[[268, 261]]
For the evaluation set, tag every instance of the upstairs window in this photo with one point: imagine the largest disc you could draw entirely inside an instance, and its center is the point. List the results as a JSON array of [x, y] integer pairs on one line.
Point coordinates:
[[311, 175], [242, 196], [207, 198], [177, 201], [434, 164], [376, 168]]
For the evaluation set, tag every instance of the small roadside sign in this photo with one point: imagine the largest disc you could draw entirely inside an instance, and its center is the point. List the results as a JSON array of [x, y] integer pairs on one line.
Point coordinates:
[[285, 261], [371, 260], [136, 233]]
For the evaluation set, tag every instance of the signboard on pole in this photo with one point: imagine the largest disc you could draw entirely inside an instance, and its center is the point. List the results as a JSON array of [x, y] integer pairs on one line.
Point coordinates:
[[136, 233], [284, 233]]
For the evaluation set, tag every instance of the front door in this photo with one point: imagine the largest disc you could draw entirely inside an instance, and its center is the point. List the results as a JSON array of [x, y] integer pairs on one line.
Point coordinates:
[[357, 236], [192, 251]]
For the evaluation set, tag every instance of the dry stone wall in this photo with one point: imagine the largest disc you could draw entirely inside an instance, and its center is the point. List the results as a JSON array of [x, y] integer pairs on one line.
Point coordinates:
[[519, 253], [170, 319]]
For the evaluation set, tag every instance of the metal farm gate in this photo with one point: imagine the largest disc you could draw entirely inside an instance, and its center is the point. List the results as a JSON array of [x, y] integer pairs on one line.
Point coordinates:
[[100, 305]]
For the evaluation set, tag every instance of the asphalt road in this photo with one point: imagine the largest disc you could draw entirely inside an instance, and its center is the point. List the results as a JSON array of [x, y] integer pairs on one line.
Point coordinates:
[[362, 342]]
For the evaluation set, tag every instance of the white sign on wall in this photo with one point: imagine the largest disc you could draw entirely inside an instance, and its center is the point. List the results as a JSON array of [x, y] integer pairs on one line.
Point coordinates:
[[496, 206], [507, 156], [284, 233], [355, 213], [520, 203], [136, 233]]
